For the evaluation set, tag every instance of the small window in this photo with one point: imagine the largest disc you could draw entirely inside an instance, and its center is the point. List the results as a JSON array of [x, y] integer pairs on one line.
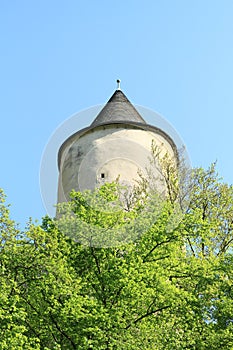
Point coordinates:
[[102, 176]]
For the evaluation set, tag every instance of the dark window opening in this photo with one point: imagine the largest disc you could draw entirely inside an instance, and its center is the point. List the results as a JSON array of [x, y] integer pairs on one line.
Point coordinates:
[[102, 176]]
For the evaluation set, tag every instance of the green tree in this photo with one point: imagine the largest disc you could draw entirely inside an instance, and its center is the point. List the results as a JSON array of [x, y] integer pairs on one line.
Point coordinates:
[[169, 287]]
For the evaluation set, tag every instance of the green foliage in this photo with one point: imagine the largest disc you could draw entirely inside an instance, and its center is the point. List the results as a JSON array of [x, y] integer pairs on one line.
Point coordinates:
[[170, 287]]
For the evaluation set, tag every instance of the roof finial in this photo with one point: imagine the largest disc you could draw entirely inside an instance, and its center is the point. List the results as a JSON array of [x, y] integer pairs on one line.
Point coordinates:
[[118, 84]]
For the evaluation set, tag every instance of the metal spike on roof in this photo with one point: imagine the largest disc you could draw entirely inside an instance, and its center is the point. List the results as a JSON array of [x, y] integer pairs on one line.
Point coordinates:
[[118, 84], [118, 109]]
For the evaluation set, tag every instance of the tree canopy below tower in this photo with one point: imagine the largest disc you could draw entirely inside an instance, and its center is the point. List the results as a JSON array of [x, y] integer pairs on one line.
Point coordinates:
[[168, 288]]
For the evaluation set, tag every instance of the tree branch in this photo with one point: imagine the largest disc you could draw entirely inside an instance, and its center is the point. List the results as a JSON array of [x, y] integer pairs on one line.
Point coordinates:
[[62, 332], [157, 245], [147, 315], [191, 247]]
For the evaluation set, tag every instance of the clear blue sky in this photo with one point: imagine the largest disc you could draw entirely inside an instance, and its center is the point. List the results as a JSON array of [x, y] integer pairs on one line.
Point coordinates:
[[59, 57]]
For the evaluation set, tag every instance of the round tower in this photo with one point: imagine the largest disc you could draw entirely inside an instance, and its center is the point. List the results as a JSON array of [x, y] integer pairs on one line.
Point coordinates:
[[117, 145]]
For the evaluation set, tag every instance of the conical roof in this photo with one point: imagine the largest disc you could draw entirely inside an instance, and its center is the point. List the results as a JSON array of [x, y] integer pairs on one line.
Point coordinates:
[[118, 109]]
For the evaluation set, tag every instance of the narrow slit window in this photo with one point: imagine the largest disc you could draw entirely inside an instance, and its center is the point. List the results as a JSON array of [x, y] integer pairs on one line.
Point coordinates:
[[102, 175]]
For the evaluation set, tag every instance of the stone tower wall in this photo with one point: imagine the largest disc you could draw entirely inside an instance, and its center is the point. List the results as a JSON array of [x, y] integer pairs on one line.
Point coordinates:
[[105, 153]]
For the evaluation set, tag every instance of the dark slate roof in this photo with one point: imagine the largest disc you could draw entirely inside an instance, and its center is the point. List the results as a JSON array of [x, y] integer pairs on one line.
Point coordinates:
[[118, 109]]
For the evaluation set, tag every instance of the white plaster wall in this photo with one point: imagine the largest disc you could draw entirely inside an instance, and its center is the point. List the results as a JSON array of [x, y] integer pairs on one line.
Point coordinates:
[[115, 151]]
